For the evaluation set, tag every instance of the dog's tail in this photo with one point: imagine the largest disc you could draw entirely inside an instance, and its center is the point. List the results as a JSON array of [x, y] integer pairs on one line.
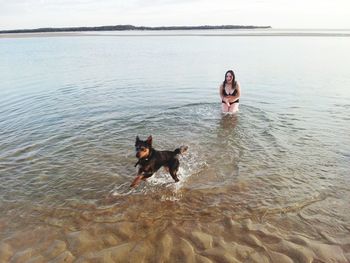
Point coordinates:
[[181, 150]]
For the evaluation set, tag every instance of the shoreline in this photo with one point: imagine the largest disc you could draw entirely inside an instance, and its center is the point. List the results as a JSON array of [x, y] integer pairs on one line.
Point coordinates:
[[219, 33], [30, 35], [127, 28]]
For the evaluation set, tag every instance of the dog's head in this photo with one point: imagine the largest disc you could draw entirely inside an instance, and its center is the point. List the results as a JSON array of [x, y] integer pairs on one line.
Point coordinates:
[[143, 148]]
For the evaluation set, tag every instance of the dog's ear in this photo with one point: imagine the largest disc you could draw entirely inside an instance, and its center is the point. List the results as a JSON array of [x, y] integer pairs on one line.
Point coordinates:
[[149, 140], [137, 139]]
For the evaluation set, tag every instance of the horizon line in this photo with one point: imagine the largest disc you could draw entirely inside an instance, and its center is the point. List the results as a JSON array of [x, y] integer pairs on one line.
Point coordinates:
[[125, 27]]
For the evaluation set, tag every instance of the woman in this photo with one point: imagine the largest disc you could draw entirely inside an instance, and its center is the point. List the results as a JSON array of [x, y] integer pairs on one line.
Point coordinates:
[[230, 92]]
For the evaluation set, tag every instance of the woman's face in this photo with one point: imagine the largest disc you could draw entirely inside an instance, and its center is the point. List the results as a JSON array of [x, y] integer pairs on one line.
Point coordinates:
[[229, 78]]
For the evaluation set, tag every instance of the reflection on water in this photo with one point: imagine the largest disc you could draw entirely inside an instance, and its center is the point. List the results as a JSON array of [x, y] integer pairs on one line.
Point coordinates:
[[228, 121], [268, 184]]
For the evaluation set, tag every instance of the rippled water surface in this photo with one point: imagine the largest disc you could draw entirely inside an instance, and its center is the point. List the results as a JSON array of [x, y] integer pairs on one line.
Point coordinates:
[[270, 184]]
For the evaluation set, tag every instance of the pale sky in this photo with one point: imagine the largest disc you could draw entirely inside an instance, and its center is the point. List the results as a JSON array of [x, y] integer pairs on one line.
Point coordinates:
[[20, 14]]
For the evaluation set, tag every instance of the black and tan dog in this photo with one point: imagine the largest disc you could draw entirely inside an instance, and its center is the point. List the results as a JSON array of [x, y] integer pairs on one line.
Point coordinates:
[[150, 160]]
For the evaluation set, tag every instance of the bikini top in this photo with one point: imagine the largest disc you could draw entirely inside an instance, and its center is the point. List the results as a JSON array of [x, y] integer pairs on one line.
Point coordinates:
[[232, 94]]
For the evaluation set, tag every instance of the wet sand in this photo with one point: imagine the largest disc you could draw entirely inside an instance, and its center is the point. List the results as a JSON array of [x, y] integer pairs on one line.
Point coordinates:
[[162, 232]]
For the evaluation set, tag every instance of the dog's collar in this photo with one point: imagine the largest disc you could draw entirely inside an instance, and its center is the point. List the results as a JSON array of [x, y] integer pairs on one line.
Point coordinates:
[[150, 155], [145, 159]]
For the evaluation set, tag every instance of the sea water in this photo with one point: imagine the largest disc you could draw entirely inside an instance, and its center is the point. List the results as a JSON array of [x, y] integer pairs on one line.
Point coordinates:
[[274, 176]]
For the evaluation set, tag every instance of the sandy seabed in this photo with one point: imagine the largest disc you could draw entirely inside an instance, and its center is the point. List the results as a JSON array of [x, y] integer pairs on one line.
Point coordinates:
[[159, 240]]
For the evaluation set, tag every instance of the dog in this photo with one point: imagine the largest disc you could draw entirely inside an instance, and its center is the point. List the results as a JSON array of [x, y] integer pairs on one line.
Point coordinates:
[[150, 160]]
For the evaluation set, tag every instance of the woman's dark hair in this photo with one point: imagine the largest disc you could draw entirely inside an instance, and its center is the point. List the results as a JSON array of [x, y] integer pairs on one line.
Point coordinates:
[[233, 78]]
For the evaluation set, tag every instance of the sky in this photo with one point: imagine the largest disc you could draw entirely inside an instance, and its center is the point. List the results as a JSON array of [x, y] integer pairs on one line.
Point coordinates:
[[27, 14]]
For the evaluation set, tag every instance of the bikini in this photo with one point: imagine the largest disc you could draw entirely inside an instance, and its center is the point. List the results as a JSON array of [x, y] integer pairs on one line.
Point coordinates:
[[233, 94]]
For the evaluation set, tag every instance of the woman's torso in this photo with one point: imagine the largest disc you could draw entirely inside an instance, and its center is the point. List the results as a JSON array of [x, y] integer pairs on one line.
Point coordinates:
[[232, 91]]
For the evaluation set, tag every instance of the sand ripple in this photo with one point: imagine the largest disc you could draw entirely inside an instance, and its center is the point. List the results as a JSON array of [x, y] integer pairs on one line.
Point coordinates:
[[187, 241]]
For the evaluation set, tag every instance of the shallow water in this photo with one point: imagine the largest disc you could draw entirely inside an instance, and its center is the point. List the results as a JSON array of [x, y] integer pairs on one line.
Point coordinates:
[[270, 184]]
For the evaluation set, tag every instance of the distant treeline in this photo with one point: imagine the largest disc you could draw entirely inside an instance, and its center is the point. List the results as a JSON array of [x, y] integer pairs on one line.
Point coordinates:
[[126, 27]]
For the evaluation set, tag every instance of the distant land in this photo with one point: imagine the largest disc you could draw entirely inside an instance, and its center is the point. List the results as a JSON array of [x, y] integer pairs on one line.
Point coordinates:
[[125, 28]]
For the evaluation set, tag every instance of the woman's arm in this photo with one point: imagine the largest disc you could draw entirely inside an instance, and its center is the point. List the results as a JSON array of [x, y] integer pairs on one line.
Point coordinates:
[[223, 98], [221, 91]]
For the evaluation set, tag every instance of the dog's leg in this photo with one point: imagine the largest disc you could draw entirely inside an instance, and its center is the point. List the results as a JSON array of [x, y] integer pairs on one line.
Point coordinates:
[[173, 168], [174, 175], [137, 180]]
